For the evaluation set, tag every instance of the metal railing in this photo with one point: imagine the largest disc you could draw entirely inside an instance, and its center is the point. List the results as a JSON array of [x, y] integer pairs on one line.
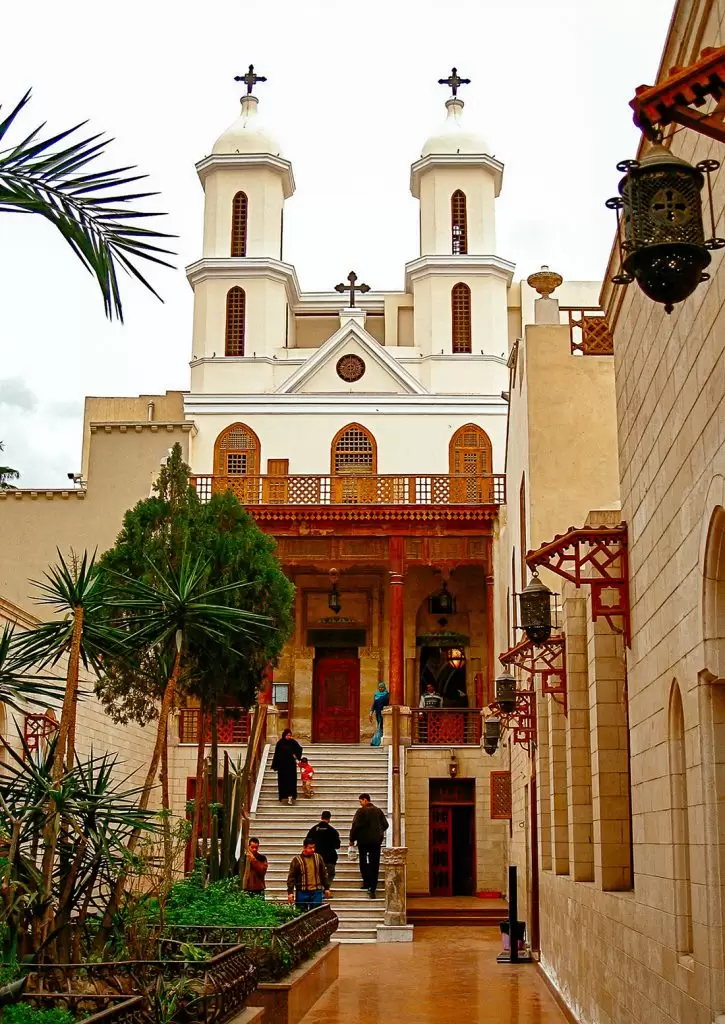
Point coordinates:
[[233, 725], [445, 727], [589, 331], [387, 489]]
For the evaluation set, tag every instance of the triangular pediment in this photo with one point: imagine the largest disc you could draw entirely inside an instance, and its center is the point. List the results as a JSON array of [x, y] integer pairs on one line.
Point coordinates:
[[382, 374]]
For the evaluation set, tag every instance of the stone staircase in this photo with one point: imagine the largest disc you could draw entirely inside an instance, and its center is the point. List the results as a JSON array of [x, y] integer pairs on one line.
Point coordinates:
[[342, 772]]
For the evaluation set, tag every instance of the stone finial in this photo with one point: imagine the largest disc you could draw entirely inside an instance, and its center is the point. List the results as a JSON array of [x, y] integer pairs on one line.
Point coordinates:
[[544, 281]]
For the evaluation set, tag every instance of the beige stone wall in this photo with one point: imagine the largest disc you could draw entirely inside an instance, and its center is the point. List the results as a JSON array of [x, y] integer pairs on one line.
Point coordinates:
[[425, 764]]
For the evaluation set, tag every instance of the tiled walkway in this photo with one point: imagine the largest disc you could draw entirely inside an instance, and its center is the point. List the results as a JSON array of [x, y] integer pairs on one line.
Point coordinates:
[[446, 975]]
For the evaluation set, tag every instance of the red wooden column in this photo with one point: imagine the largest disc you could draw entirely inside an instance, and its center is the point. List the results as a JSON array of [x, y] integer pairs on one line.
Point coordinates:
[[264, 695], [397, 621], [488, 690]]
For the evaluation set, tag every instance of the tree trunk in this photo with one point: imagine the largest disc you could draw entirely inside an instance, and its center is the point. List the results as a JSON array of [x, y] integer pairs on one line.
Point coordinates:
[[214, 787], [166, 808], [166, 706], [199, 788]]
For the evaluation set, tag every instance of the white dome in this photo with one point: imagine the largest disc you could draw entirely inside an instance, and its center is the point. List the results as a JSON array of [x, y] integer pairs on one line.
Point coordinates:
[[452, 137], [247, 134]]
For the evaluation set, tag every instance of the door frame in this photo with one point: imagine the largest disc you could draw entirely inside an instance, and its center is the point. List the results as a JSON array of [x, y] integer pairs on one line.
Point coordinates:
[[348, 659], [447, 804]]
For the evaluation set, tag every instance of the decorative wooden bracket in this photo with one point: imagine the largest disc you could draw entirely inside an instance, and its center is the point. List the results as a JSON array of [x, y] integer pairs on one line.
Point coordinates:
[[675, 98], [547, 661], [595, 556], [522, 720]]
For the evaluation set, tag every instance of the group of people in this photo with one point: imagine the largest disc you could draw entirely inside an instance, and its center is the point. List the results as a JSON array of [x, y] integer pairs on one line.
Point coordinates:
[[312, 871]]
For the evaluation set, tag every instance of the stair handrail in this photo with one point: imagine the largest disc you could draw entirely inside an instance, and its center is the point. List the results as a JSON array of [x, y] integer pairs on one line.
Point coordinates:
[[260, 778], [255, 748]]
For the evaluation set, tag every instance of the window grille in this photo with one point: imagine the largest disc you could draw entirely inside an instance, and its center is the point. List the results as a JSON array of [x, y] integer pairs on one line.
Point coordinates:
[[470, 451], [354, 452], [239, 225], [236, 452], [236, 304], [236, 464], [459, 233], [461, 318]]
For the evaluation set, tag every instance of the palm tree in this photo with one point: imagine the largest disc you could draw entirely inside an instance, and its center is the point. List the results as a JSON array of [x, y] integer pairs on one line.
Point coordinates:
[[7, 473], [51, 177], [19, 687]]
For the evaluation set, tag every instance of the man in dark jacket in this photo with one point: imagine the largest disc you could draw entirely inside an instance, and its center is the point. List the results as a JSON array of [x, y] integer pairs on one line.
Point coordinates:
[[327, 842], [368, 830]]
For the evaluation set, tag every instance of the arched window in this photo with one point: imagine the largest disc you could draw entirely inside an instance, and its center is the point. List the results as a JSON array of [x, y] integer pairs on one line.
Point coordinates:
[[354, 451], [470, 463], [236, 452], [239, 224], [459, 232], [236, 308], [461, 317], [680, 824]]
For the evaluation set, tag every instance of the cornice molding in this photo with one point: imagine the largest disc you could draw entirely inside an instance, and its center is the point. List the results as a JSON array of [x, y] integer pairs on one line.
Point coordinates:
[[433, 161], [345, 404], [139, 426], [374, 513], [458, 267], [33, 494], [248, 161], [229, 268]]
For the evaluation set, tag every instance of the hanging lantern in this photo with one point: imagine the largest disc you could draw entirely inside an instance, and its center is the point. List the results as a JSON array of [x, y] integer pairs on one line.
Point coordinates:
[[506, 693], [442, 603], [456, 657], [491, 735], [535, 605], [661, 235], [333, 598]]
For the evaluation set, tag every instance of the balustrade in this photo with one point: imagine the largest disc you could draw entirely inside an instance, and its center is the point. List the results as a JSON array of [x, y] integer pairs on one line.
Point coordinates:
[[232, 726], [445, 727]]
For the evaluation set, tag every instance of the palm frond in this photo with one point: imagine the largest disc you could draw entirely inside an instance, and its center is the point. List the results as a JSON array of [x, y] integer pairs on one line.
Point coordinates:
[[50, 177], [19, 687]]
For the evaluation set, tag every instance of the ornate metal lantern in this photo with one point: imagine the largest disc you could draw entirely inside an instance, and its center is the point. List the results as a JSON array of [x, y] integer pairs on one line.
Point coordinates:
[[456, 657], [333, 598], [661, 235], [491, 735], [506, 692], [442, 603], [535, 605]]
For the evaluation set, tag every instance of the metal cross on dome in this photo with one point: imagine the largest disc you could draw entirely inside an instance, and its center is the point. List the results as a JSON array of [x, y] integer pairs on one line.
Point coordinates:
[[352, 286], [454, 81], [250, 79]]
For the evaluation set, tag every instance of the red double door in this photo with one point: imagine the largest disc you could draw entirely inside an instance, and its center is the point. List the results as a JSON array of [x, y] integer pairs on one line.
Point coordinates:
[[336, 698]]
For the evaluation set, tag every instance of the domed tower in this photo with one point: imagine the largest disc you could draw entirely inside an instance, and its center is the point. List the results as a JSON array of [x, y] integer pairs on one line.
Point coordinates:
[[459, 284], [240, 284]]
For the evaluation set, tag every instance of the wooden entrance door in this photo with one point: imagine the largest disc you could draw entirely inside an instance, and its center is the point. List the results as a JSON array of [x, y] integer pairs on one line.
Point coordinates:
[[441, 851], [336, 699]]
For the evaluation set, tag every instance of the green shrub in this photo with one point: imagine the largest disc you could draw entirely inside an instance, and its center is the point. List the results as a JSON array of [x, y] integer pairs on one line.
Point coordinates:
[[222, 903], [24, 1013]]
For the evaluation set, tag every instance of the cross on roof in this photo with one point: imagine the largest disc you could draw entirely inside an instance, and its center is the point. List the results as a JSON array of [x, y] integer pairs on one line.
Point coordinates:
[[352, 287], [250, 79], [454, 81]]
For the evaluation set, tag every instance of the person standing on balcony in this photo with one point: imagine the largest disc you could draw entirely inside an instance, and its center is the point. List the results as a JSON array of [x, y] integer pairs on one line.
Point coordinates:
[[307, 878], [381, 700], [429, 701], [368, 830], [286, 755]]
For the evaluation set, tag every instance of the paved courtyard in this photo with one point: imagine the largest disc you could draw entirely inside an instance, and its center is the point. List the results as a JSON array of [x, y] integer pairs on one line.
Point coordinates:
[[446, 975]]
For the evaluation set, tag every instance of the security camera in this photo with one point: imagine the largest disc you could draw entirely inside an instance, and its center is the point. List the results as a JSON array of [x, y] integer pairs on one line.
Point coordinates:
[[77, 479]]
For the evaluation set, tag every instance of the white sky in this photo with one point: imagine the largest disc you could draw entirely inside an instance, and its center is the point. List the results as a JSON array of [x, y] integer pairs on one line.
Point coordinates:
[[351, 95]]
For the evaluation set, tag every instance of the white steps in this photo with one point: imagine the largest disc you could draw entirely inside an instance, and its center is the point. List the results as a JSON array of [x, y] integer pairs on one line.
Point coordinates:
[[342, 772]]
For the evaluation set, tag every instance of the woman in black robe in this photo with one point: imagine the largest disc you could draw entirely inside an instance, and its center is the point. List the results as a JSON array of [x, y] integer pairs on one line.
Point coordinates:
[[286, 755]]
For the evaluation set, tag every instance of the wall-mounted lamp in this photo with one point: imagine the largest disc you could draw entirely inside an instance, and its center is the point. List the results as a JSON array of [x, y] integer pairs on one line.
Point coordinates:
[[333, 598], [491, 735], [453, 765], [535, 605], [505, 693], [456, 657]]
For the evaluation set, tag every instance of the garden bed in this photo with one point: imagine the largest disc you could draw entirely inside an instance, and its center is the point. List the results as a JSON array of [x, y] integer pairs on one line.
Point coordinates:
[[76, 1008]]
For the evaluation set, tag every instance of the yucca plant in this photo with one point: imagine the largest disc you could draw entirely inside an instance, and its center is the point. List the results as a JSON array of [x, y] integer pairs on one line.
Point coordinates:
[[91, 208], [19, 687]]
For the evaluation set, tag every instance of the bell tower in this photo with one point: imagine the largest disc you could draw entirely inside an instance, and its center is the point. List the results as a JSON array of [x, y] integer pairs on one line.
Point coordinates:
[[241, 284], [459, 284]]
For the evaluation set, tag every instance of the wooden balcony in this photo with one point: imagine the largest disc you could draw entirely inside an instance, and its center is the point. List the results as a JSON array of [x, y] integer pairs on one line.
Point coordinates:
[[233, 726], [388, 489], [445, 727]]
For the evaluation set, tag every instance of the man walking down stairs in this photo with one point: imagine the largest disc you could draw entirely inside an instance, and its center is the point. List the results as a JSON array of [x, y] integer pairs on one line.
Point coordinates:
[[342, 772]]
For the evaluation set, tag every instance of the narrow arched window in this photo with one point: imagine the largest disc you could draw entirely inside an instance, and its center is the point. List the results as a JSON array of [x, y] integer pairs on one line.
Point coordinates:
[[680, 826], [461, 318], [236, 308], [354, 451], [459, 232], [239, 225], [236, 451]]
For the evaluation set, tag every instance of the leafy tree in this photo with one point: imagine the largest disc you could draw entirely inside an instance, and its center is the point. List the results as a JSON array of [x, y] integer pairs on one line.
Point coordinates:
[[7, 473], [53, 178]]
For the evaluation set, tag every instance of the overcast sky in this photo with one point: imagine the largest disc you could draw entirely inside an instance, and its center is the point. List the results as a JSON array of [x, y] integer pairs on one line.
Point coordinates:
[[351, 95]]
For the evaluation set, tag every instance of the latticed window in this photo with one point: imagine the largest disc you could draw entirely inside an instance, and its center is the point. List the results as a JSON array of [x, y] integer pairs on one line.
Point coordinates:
[[236, 307], [239, 225], [470, 451], [461, 317], [236, 452], [459, 233], [353, 451]]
